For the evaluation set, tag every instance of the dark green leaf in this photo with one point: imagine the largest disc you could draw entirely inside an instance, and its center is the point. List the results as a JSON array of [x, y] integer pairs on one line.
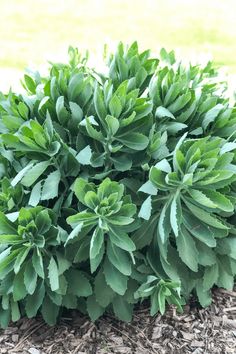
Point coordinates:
[[78, 284], [93, 308], [116, 280], [49, 311]]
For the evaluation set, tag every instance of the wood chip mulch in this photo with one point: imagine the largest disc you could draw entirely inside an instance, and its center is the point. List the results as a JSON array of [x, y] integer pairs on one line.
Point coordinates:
[[196, 331]]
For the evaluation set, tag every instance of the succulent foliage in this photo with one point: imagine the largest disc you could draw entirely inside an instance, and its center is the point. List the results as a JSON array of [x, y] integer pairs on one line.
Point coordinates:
[[116, 187]]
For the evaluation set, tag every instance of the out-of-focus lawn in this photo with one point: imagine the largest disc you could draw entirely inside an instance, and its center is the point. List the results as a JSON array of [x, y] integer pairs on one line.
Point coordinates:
[[32, 32]]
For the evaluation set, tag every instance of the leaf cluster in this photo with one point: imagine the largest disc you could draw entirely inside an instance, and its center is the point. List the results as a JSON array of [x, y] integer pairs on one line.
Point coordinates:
[[116, 187]]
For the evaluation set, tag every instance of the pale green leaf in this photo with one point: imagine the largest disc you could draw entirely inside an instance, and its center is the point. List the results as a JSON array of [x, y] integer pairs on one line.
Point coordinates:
[[53, 274]]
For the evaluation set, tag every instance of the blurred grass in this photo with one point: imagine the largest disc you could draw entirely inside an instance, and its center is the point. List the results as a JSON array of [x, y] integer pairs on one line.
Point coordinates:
[[33, 32]]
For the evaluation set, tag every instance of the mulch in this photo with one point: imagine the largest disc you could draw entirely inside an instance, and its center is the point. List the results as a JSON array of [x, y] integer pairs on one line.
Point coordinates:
[[197, 331]]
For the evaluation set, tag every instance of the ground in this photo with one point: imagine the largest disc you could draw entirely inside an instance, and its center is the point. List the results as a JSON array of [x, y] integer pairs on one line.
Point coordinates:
[[197, 331], [32, 32]]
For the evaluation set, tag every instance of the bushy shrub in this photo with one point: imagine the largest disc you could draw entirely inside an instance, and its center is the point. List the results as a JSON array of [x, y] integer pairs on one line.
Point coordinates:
[[116, 187]]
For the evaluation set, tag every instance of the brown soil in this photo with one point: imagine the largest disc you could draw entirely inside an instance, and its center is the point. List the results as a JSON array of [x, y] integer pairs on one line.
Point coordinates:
[[197, 331]]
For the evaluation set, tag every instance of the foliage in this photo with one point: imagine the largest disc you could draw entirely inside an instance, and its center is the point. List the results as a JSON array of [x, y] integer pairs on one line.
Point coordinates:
[[116, 187]]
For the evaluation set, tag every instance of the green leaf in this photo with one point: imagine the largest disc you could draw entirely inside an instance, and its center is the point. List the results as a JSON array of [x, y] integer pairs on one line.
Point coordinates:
[[172, 93], [179, 161], [49, 311], [205, 216], [50, 187], [122, 163], [162, 300], [116, 280], [92, 132], [99, 103], [219, 200], [108, 187], [211, 115], [76, 111], [78, 284], [173, 128], [154, 303], [4, 318], [122, 309], [226, 278], [20, 259], [7, 258], [43, 221], [201, 198], [93, 308], [61, 110], [164, 166], [63, 263], [113, 123], [179, 103], [176, 156], [148, 188], [37, 261], [207, 255], [204, 296], [91, 200], [19, 289], [115, 106], [157, 177], [53, 274], [201, 231], [15, 311], [96, 242], [74, 233], [135, 141], [81, 187], [21, 174], [30, 278], [34, 173], [10, 239], [164, 226], [187, 250], [121, 239], [175, 215], [146, 209], [210, 276], [83, 217], [217, 179], [162, 112], [33, 302], [30, 84], [104, 294], [119, 258], [120, 220], [95, 262], [70, 301], [35, 195], [6, 226], [227, 246], [84, 156], [75, 84], [144, 234]]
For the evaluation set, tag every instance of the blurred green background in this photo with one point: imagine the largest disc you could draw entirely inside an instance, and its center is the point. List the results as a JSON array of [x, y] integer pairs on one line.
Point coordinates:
[[33, 32]]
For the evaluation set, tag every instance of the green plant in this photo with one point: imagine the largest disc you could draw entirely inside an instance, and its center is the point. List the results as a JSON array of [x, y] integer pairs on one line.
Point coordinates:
[[116, 187]]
